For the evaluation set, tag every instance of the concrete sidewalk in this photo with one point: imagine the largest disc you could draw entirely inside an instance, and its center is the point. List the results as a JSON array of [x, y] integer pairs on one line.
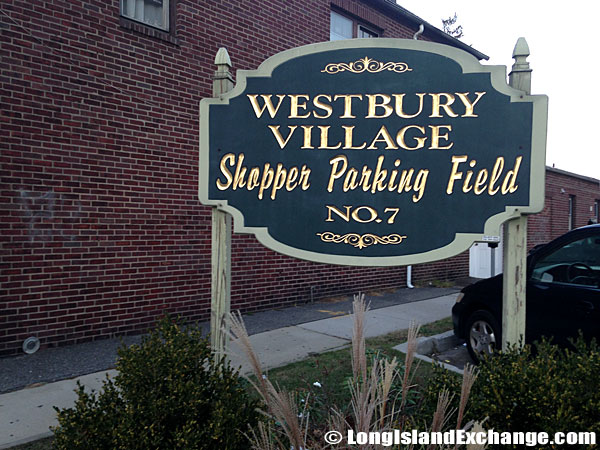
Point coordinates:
[[27, 414]]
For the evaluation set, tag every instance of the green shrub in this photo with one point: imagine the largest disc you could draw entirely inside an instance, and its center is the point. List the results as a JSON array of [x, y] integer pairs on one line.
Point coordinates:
[[551, 390], [170, 393], [439, 379]]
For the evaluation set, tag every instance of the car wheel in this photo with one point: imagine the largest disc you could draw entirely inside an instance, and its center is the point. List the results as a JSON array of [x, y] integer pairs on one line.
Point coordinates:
[[483, 334]]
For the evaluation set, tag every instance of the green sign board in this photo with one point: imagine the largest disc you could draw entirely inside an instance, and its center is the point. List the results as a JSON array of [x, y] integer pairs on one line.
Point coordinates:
[[373, 152]]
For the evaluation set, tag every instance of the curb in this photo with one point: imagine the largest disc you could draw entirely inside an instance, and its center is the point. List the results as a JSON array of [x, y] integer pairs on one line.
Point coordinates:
[[28, 439], [434, 344]]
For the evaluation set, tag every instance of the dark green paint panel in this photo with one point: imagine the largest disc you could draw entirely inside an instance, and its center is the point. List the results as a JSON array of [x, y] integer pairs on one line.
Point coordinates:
[[294, 218]]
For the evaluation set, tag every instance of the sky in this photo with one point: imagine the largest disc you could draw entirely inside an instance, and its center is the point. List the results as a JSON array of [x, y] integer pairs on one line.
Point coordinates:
[[563, 43]]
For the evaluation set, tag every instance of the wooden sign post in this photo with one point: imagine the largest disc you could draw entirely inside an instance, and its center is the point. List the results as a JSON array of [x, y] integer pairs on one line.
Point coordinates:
[[221, 236], [515, 232]]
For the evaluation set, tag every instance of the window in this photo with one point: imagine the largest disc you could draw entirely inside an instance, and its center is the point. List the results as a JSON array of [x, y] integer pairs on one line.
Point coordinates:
[[597, 211], [365, 32], [154, 13], [342, 27], [577, 262]]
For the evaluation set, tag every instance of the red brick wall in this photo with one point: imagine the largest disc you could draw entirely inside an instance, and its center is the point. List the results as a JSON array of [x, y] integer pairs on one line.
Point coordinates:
[[554, 219], [102, 230]]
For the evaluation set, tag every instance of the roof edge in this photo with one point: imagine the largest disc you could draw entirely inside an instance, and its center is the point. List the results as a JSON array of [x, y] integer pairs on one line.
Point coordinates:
[[572, 174], [392, 6]]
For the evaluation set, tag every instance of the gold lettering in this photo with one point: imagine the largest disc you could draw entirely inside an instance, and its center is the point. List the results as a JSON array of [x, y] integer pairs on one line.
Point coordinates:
[[266, 181], [496, 171], [379, 177], [399, 106], [372, 212], [436, 104], [393, 174], [469, 106], [324, 106], [364, 179], [480, 182], [509, 185], [268, 104], [335, 173], [228, 178], [455, 174], [466, 185], [347, 104], [404, 182], [253, 177], [280, 175], [420, 182], [291, 184], [348, 144], [383, 136], [304, 177], [436, 136], [307, 144], [393, 216], [325, 138], [295, 106], [350, 182], [282, 142], [420, 140], [331, 209], [373, 105], [240, 172]]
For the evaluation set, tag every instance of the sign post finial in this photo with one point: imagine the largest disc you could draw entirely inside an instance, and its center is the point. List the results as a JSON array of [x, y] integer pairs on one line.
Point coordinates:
[[520, 75], [222, 80]]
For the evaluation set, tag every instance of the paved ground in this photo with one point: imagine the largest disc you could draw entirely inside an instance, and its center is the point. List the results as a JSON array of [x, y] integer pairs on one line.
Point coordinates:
[[279, 337], [67, 362], [456, 356]]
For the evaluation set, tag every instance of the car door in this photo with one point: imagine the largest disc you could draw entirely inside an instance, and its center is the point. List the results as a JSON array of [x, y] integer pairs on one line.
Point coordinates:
[[563, 290]]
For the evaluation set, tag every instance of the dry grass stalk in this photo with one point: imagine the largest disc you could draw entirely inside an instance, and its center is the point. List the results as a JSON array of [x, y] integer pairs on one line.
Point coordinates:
[[441, 413], [359, 356], [411, 349], [364, 399], [469, 376], [336, 421], [238, 332], [264, 440], [280, 404], [284, 409], [389, 371], [370, 393]]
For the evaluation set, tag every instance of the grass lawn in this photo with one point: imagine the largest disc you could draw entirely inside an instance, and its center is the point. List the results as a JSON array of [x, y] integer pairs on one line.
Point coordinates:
[[331, 369]]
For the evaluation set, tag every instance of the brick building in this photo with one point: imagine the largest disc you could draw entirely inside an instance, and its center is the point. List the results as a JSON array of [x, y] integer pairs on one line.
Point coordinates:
[[571, 201], [102, 230]]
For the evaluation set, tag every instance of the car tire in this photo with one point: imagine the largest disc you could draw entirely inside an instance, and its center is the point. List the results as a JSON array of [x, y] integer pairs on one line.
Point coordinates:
[[482, 334]]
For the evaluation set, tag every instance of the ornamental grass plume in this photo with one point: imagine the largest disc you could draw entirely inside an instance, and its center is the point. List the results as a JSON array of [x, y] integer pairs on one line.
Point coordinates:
[[377, 403], [411, 350], [469, 376], [281, 405], [238, 331], [359, 355]]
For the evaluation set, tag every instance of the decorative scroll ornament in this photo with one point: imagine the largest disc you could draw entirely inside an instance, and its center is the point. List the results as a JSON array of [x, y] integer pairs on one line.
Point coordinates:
[[366, 64], [360, 241]]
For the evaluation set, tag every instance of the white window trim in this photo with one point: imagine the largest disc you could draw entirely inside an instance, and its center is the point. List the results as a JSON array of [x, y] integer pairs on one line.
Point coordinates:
[[356, 25], [134, 10]]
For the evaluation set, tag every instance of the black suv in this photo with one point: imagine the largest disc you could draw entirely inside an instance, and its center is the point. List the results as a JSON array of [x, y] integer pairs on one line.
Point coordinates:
[[563, 296]]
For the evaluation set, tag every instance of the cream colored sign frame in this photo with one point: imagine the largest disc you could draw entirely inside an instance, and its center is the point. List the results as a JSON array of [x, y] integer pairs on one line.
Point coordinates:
[[462, 241]]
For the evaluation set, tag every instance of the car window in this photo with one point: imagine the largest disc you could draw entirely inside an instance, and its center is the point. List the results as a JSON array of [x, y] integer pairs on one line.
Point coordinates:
[[577, 262]]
